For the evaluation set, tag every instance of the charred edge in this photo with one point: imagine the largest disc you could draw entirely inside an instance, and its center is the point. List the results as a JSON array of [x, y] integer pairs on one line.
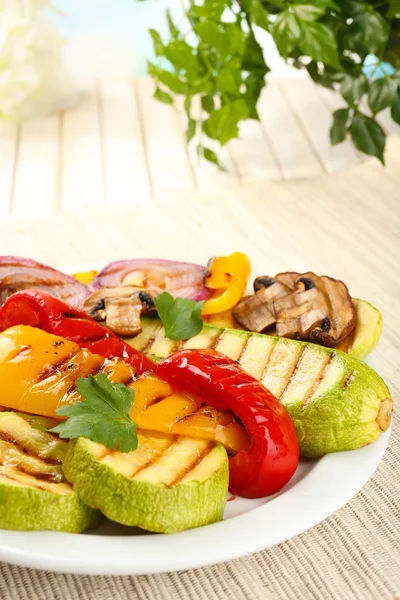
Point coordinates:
[[153, 460], [193, 465], [318, 380], [293, 373], [50, 369], [6, 437]]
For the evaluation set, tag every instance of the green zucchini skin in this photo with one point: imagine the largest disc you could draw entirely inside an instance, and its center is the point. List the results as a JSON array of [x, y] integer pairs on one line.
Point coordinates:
[[34, 494], [148, 504], [335, 401]]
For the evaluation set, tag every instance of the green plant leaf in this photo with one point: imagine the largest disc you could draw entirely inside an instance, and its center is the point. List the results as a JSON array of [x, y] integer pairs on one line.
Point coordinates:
[[169, 79], [353, 88], [229, 80], [174, 31], [319, 42], [207, 103], [211, 35], [157, 42], [162, 96], [182, 56], [180, 316], [381, 94], [209, 155], [258, 14], [368, 136], [253, 60], [286, 32], [368, 33], [103, 415], [338, 129], [308, 12], [191, 130], [254, 85], [395, 110]]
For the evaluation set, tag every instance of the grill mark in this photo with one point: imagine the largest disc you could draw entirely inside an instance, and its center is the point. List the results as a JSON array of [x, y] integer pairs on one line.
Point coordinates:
[[193, 465], [265, 369], [6, 437], [93, 371], [21, 351], [49, 369], [218, 339], [154, 460], [155, 401], [45, 476], [26, 484], [243, 350], [347, 381], [293, 374], [321, 376], [150, 341], [189, 415], [105, 453]]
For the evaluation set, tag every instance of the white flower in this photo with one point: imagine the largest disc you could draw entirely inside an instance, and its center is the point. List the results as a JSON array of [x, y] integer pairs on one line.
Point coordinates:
[[32, 77]]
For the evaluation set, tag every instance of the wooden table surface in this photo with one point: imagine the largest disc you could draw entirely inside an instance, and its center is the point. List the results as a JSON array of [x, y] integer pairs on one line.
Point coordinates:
[[120, 147], [343, 224]]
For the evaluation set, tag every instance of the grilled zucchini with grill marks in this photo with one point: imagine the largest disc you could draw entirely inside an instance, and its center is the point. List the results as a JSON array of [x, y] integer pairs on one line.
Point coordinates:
[[34, 493], [168, 484], [335, 401]]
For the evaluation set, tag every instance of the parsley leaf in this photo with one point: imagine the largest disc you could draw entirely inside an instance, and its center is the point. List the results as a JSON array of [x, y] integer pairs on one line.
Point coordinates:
[[180, 316], [103, 416]]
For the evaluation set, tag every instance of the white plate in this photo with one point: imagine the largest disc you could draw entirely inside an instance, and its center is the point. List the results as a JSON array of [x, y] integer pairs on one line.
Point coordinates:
[[319, 488]]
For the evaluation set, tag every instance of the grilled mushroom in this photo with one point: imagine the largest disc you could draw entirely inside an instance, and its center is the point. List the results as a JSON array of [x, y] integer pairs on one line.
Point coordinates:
[[120, 308], [257, 313], [302, 306]]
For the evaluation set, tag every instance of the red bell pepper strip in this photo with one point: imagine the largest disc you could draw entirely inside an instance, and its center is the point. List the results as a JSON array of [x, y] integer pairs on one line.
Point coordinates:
[[273, 455], [39, 309]]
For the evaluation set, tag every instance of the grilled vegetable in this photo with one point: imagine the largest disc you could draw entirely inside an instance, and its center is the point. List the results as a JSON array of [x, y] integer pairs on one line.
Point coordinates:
[[167, 484], [18, 273], [120, 308], [363, 339], [38, 372], [306, 307], [34, 493], [180, 279], [273, 456], [335, 401], [228, 277], [36, 308]]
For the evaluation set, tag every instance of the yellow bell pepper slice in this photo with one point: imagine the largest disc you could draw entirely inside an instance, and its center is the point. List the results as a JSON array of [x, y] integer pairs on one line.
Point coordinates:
[[85, 277], [228, 275], [38, 373]]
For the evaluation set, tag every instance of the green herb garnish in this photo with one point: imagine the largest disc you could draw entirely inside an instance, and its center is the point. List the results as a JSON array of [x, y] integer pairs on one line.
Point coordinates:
[[103, 416], [180, 316]]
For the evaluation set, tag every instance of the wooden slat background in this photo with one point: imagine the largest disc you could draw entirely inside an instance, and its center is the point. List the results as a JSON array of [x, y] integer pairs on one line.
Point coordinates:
[[120, 147]]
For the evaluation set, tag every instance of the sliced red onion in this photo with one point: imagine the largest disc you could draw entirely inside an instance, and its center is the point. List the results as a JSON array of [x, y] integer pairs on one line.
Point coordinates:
[[18, 273], [180, 279]]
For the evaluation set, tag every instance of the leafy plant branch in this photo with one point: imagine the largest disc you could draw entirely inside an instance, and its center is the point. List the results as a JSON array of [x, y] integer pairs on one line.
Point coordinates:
[[213, 59]]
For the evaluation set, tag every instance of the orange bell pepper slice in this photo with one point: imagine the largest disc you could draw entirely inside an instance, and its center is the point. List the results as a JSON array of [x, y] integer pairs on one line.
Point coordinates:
[[228, 275]]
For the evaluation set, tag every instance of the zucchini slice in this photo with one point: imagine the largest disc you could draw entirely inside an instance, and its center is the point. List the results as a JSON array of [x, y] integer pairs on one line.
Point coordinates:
[[34, 493], [168, 484]]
